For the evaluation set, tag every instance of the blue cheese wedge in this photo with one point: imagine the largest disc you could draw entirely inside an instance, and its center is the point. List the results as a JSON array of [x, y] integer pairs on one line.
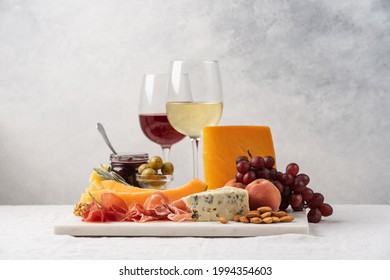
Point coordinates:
[[213, 204]]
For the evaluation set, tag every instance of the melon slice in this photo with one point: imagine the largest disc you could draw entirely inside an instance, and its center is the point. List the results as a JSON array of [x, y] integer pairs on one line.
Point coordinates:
[[96, 189], [134, 194]]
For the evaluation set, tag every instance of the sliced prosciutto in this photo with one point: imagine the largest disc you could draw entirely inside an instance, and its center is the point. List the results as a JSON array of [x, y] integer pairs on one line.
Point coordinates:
[[115, 208], [180, 210], [156, 207], [110, 208], [94, 213]]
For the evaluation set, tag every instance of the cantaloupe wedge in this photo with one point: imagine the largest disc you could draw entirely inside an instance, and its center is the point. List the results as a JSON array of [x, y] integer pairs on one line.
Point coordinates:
[[97, 188], [115, 186], [134, 194], [193, 186]]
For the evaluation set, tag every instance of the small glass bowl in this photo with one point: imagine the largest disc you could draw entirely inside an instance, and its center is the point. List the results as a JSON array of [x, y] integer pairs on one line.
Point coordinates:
[[155, 182]]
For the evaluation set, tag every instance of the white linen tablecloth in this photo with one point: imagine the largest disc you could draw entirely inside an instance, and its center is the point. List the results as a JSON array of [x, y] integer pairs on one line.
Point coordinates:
[[352, 232]]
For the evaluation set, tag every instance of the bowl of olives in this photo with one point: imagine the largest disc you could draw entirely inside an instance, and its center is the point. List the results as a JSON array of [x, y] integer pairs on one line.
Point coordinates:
[[155, 174], [157, 182]]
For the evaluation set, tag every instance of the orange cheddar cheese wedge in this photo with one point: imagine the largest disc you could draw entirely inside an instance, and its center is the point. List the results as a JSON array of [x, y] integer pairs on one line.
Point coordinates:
[[223, 144]]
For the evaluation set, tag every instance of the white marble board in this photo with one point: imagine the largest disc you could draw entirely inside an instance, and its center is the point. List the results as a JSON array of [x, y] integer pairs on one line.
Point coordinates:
[[75, 227]]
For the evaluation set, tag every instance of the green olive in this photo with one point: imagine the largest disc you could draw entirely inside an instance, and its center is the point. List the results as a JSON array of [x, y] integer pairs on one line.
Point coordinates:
[[142, 167], [149, 171], [156, 162], [167, 168]]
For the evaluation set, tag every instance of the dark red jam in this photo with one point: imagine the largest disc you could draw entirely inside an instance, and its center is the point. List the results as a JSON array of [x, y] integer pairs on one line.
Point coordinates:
[[126, 165]]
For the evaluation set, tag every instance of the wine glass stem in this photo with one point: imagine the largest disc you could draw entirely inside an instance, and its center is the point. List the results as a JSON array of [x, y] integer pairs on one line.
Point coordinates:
[[195, 142], [166, 151]]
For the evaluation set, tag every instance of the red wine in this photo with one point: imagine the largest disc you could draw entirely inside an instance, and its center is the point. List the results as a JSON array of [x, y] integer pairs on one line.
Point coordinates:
[[158, 129]]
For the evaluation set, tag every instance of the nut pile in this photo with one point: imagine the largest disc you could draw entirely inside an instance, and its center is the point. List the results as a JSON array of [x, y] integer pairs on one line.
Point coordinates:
[[80, 209], [263, 215]]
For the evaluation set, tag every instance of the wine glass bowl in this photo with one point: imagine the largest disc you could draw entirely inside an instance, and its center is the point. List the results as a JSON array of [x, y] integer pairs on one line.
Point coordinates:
[[189, 118], [157, 128], [152, 113], [194, 100]]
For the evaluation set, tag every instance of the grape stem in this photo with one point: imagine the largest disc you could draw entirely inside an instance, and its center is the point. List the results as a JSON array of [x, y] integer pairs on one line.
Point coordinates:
[[249, 154]]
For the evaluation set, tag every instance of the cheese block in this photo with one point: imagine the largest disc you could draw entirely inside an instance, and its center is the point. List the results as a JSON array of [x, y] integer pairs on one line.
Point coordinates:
[[213, 204], [223, 144]]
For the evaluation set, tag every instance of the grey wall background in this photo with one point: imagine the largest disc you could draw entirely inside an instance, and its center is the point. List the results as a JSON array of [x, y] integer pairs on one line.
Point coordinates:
[[316, 72]]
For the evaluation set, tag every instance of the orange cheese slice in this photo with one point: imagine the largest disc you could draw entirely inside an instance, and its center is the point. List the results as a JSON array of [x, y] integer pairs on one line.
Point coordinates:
[[223, 144]]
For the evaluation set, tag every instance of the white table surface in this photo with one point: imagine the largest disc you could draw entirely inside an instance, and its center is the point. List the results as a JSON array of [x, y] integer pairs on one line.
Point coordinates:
[[352, 232]]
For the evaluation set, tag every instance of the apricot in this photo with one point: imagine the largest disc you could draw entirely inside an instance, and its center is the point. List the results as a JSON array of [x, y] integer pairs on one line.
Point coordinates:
[[233, 183], [263, 193]]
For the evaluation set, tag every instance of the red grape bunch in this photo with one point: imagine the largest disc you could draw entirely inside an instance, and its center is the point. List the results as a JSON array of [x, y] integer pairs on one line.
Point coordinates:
[[293, 186]]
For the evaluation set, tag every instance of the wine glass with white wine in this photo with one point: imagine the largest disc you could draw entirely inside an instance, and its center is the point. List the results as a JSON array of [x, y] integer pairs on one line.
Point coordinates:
[[194, 100]]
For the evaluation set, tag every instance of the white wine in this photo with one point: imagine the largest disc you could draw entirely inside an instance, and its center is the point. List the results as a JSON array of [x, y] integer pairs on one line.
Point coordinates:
[[189, 118]]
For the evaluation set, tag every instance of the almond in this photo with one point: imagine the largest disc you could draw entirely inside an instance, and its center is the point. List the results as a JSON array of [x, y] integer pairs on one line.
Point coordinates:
[[244, 219], [264, 209], [236, 218], [280, 214], [252, 214], [223, 220], [266, 214], [286, 218], [255, 220], [268, 220], [275, 219]]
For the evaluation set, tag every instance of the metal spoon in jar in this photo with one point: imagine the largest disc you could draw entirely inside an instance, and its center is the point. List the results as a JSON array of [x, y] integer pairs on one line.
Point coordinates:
[[100, 127]]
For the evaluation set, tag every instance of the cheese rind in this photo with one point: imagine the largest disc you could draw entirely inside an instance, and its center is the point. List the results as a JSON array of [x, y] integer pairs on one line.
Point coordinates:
[[223, 144], [213, 204]]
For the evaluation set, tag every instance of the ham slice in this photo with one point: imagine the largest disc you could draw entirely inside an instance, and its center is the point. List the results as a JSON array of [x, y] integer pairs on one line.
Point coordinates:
[[94, 214], [156, 207]]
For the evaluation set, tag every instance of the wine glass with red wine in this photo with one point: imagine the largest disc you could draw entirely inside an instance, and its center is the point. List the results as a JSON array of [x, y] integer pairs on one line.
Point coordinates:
[[152, 113]]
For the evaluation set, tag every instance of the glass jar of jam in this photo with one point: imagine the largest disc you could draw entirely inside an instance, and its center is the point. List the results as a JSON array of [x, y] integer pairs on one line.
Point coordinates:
[[126, 165]]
